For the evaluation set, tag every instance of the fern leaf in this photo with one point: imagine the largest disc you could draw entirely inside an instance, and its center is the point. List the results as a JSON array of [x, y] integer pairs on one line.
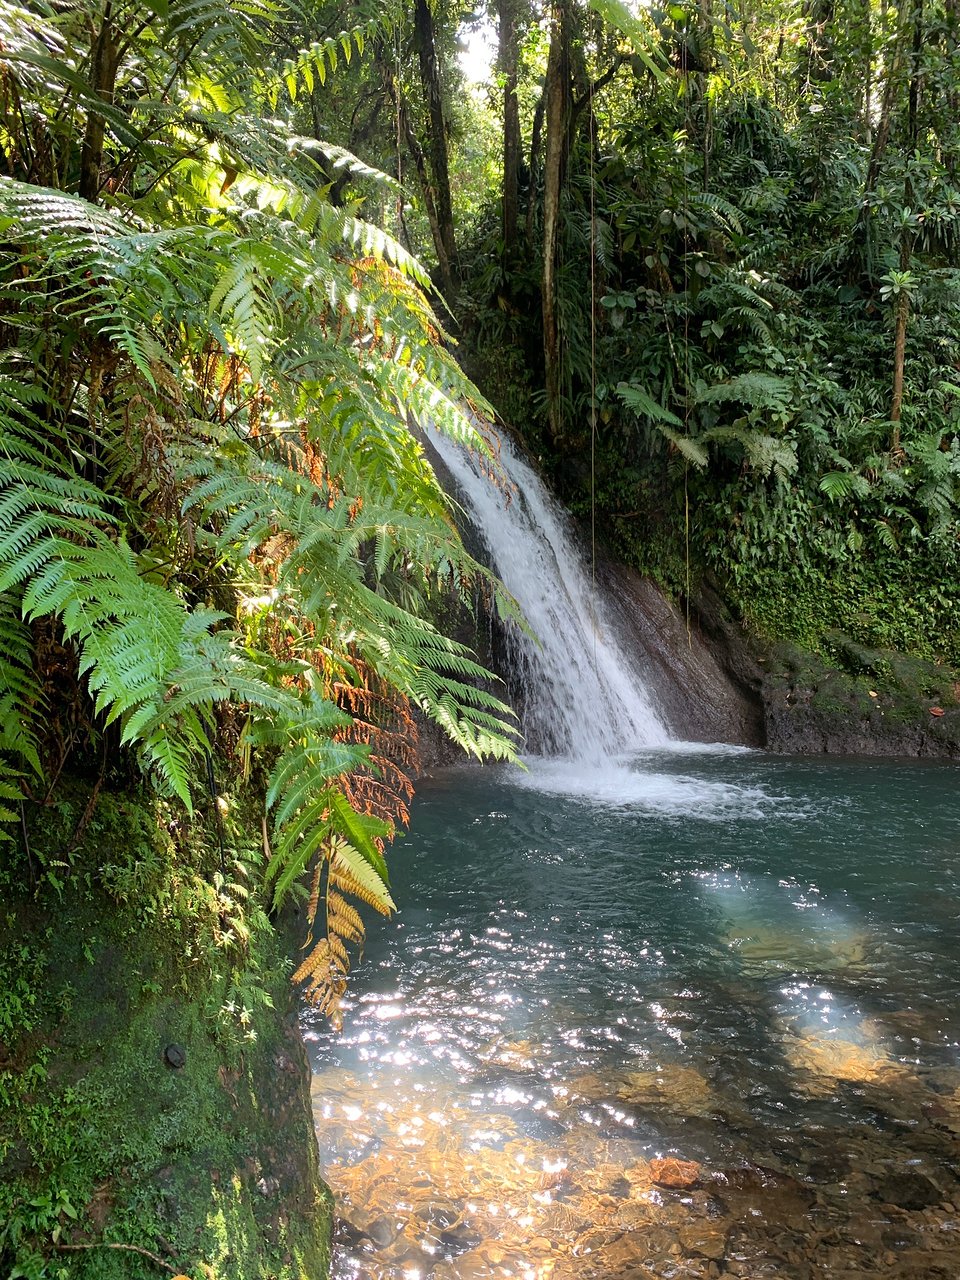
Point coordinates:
[[843, 484], [351, 873], [643, 404]]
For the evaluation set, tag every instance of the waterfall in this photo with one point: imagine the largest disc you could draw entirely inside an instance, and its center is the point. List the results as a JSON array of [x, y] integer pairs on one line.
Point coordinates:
[[582, 696]]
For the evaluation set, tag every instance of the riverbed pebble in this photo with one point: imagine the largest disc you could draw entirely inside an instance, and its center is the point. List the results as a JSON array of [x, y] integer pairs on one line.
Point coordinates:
[[474, 1197]]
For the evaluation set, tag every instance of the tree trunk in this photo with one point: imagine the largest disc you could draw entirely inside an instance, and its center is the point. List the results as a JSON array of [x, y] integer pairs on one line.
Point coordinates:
[[508, 61], [882, 136], [558, 105], [536, 139], [906, 236], [437, 144], [866, 122], [819, 52], [952, 95], [104, 62], [916, 60], [899, 353], [406, 128], [861, 234]]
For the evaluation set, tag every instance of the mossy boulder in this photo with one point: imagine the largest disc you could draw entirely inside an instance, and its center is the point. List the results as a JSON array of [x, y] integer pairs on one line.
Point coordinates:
[[154, 1099], [855, 700]]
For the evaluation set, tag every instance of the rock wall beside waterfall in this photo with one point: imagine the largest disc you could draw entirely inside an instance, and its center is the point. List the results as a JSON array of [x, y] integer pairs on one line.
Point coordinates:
[[617, 667], [884, 703], [706, 683], [718, 684]]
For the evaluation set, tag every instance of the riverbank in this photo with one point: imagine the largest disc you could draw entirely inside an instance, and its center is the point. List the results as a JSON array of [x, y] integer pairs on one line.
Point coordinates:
[[154, 1088]]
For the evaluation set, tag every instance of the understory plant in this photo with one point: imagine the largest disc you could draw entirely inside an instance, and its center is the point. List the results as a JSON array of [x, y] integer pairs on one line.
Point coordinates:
[[219, 530]]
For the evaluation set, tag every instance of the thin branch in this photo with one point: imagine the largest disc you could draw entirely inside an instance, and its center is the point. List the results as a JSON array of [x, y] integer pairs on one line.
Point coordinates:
[[137, 31], [601, 82], [128, 1248], [26, 845], [91, 803], [165, 173]]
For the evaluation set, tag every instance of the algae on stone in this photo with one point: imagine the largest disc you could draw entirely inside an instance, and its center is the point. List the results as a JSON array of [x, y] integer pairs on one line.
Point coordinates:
[[152, 1076]]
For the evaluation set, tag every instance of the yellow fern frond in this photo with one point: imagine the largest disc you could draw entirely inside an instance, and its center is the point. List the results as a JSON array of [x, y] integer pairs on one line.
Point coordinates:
[[342, 878], [342, 918], [316, 964], [338, 951]]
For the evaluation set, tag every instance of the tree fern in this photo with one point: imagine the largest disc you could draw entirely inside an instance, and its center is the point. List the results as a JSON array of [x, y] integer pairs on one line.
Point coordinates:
[[209, 475]]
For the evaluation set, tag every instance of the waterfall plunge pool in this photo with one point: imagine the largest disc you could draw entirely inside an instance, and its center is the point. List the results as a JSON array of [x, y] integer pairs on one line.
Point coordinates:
[[725, 971]]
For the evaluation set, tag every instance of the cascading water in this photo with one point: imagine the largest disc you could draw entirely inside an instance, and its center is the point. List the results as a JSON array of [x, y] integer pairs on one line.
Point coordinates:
[[582, 695]]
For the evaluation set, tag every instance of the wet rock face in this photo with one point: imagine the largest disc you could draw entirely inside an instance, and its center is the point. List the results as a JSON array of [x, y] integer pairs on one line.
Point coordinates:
[[908, 1189], [703, 677], [714, 684]]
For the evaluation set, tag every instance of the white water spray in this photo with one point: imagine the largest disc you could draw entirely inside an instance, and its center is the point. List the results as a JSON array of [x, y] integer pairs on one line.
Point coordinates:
[[583, 697]]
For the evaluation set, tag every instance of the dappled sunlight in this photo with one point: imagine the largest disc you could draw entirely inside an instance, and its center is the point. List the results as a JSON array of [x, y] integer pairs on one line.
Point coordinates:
[[606, 1044]]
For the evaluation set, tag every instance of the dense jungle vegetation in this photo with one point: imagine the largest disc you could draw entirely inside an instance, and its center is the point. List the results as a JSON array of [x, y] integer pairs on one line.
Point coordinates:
[[705, 261], [703, 257]]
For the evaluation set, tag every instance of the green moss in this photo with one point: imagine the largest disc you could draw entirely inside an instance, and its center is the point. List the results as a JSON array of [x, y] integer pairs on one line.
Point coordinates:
[[134, 942]]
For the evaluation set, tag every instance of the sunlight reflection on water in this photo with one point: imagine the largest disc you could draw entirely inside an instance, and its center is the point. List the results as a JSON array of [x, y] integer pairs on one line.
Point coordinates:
[[603, 1042]]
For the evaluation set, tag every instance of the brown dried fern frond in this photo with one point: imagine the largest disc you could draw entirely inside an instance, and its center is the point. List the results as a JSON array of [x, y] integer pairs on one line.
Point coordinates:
[[343, 917], [323, 973]]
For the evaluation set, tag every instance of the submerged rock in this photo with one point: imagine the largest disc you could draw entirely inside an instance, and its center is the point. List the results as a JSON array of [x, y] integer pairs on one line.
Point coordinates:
[[683, 1089], [675, 1174], [705, 1240], [908, 1189]]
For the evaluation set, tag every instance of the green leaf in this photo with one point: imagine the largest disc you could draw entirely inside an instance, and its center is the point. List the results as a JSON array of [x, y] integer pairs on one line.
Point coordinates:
[[642, 403]]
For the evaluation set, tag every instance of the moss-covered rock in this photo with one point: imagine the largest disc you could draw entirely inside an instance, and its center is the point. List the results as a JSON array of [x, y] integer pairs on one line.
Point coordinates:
[[859, 701], [154, 1107]]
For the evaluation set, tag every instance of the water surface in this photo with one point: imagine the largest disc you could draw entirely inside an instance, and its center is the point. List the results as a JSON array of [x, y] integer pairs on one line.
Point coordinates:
[[747, 965]]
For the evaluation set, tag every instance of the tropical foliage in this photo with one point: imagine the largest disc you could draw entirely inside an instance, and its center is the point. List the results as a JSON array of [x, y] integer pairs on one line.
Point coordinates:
[[716, 286], [745, 257], [219, 531]]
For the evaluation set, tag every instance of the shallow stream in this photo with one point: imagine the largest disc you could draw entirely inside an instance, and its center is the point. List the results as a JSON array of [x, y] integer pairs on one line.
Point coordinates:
[[692, 1014]]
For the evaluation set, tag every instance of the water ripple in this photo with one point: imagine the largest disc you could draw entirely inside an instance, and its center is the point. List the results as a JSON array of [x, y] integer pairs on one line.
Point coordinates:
[[748, 967]]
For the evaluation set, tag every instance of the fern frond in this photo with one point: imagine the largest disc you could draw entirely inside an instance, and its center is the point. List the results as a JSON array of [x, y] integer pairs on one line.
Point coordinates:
[[725, 214], [351, 873], [643, 404], [759, 390], [10, 794], [321, 56], [765, 453], [844, 484], [344, 918], [22, 701]]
